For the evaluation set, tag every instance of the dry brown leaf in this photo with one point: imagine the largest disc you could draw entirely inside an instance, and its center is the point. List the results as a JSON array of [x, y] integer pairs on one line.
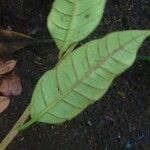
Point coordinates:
[[11, 41], [11, 85], [4, 103], [6, 67]]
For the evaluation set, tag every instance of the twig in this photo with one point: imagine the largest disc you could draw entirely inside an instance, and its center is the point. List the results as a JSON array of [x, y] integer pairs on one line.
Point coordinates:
[[14, 131]]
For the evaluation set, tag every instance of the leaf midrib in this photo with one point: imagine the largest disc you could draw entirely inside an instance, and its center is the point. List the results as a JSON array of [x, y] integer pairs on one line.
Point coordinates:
[[70, 26], [86, 75]]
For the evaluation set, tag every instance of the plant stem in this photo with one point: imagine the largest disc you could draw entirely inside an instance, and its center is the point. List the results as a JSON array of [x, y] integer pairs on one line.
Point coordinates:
[[19, 124], [66, 53], [26, 125], [14, 131]]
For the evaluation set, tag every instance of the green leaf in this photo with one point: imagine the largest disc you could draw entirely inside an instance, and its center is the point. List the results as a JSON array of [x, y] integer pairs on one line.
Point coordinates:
[[72, 20], [84, 76]]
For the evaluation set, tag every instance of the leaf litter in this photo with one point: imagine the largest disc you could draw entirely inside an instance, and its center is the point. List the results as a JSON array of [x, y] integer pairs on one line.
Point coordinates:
[[11, 41], [10, 83], [4, 103]]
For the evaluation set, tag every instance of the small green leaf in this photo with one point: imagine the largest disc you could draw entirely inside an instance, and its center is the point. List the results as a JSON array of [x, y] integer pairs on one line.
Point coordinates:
[[84, 76], [72, 20]]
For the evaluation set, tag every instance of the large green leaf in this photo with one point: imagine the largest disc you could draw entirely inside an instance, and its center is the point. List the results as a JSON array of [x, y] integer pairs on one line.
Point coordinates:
[[72, 20], [84, 76]]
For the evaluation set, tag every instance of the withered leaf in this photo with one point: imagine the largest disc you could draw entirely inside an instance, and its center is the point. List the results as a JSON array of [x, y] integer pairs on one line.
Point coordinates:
[[11, 41], [4, 103], [10, 85], [6, 67]]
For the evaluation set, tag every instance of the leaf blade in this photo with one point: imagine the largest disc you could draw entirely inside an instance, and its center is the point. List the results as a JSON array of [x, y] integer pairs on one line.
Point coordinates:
[[84, 76], [72, 20], [11, 41], [7, 66], [4, 103]]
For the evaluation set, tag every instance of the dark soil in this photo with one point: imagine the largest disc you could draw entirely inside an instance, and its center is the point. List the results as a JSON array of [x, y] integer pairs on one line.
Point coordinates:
[[119, 121]]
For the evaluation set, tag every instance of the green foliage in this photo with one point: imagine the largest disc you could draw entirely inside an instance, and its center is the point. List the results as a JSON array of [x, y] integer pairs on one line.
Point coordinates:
[[83, 76], [72, 20]]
